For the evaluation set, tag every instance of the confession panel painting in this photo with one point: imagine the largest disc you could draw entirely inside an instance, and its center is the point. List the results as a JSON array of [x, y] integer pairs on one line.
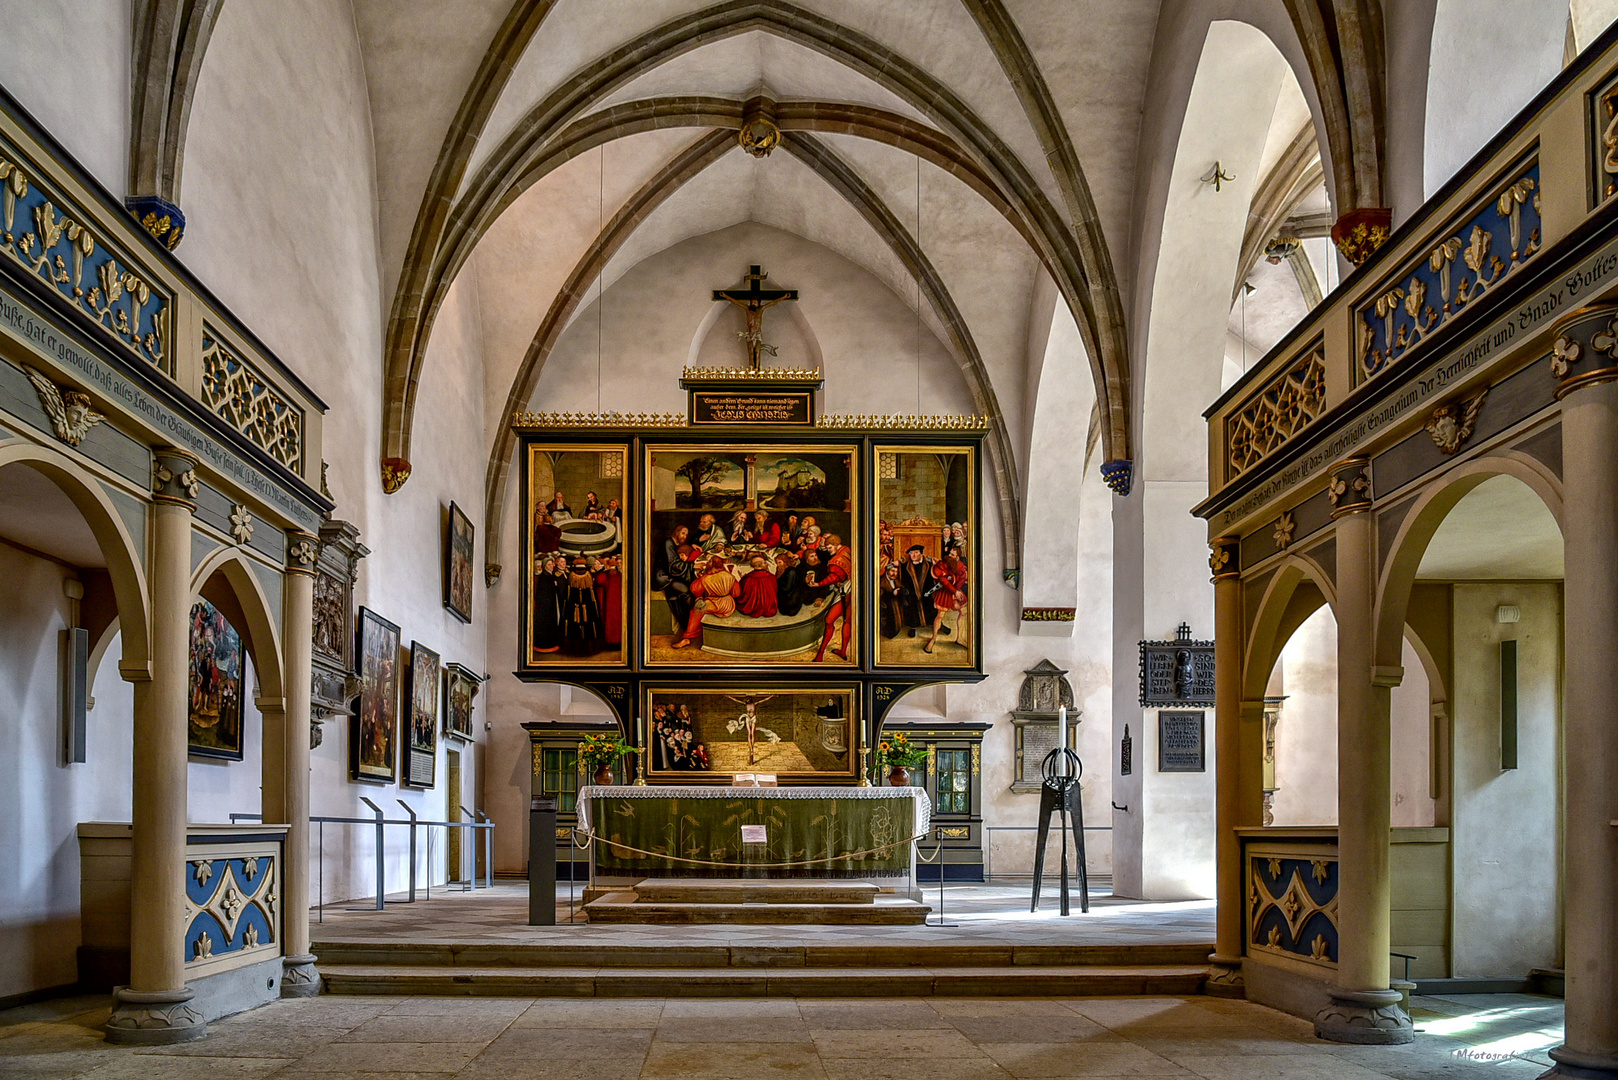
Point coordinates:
[[215, 705], [751, 556], [801, 734], [458, 565], [375, 725], [577, 614], [926, 556], [421, 696]]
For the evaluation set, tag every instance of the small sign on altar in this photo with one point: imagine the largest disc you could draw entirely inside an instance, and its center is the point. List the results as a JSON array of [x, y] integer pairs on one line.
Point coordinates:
[[754, 834]]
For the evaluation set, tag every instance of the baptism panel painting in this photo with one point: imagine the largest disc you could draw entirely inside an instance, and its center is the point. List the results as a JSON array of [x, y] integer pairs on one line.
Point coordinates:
[[421, 693], [926, 550], [577, 614], [215, 707], [751, 556], [801, 734]]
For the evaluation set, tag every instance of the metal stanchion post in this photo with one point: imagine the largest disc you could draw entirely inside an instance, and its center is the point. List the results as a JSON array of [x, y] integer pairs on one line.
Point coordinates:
[[320, 867], [488, 850], [381, 868], [412, 875], [542, 862]]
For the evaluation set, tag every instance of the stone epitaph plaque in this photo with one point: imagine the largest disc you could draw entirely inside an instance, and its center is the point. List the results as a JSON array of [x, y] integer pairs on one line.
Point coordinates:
[[1177, 673], [1180, 746], [1044, 693]]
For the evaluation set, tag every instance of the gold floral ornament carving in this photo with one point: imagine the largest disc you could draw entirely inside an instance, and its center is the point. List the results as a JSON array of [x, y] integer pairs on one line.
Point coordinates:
[[301, 554], [934, 422], [732, 374], [598, 420], [1290, 897], [59, 249], [241, 524], [69, 410], [1564, 355], [1281, 409], [1219, 558], [1451, 425], [1284, 527], [1340, 486], [248, 402]]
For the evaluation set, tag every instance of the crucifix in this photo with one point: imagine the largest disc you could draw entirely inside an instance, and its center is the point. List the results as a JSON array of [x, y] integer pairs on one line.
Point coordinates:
[[753, 300]]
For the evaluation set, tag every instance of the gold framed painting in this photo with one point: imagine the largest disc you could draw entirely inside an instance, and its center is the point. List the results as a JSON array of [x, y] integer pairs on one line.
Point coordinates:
[[928, 567], [801, 734], [751, 556], [576, 509]]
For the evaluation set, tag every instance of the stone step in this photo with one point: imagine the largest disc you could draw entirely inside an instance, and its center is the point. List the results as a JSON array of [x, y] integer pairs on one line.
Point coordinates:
[[423, 954], [744, 891], [628, 907], [1025, 981]]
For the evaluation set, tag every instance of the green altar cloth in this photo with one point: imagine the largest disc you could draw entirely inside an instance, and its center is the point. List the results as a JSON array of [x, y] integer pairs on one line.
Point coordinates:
[[809, 832]]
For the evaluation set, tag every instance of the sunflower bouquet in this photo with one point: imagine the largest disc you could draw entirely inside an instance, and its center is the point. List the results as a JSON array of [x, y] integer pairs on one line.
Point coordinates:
[[898, 752]]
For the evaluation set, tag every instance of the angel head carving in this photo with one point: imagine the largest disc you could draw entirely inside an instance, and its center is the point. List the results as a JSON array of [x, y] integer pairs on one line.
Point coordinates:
[[69, 410]]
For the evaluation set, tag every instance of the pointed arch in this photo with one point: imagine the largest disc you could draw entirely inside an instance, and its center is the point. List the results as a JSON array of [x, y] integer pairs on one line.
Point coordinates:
[[1298, 588]]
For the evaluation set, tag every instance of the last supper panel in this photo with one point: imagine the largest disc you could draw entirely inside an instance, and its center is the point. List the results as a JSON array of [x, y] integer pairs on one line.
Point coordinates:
[[751, 556]]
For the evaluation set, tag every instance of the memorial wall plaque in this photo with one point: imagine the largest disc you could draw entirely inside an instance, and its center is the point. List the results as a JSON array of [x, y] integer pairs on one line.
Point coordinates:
[[1178, 672], [711, 407], [1180, 746]]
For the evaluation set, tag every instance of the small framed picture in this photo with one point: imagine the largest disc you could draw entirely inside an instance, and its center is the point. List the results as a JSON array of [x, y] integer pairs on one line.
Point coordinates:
[[376, 712], [460, 687], [421, 692], [458, 565], [215, 700]]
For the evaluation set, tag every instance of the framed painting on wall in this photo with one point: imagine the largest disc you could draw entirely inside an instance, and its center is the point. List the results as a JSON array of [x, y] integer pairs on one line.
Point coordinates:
[[214, 708], [460, 687], [801, 734], [421, 692], [575, 502], [927, 556], [458, 565], [375, 725], [751, 556]]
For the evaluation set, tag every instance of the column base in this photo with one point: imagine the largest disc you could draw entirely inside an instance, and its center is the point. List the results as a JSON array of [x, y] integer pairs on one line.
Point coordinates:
[[299, 976], [154, 1018], [1582, 1066], [1225, 977], [1367, 1017]]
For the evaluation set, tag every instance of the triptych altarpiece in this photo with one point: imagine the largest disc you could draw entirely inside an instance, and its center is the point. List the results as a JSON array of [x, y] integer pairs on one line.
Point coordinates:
[[750, 596]]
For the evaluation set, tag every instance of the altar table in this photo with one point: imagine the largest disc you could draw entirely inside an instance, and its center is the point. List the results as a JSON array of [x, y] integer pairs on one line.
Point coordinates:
[[810, 832]]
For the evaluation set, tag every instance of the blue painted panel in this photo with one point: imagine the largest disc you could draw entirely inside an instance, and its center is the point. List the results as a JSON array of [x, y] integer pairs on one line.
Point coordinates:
[[204, 923], [1462, 264], [200, 888], [49, 237]]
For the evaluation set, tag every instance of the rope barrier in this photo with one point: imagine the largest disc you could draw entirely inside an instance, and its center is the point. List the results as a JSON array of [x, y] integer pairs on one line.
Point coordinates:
[[883, 849]]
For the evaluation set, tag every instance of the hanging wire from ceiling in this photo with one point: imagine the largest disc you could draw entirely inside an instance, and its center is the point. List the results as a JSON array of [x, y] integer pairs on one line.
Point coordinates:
[[601, 278], [918, 286]]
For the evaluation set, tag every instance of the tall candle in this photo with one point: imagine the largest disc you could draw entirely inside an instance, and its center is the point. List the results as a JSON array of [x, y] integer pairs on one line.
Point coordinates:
[[1062, 720]]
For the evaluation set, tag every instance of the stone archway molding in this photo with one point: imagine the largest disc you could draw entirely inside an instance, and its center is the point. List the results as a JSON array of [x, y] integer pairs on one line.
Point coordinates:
[[125, 561], [1090, 290]]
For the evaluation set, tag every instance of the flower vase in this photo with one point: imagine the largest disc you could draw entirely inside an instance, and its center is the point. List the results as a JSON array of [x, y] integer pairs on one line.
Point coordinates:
[[899, 776], [603, 775]]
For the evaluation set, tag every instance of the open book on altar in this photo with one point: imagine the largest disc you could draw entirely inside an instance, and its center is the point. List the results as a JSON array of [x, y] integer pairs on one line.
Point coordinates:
[[748, 779]]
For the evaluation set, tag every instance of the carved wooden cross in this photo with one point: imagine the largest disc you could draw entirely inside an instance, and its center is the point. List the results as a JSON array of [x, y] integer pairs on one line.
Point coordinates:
[[753, 300]]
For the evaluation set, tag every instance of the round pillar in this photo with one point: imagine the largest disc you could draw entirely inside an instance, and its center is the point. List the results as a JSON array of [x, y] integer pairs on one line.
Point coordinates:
[[1225, 979], [153, 1008], [299, 977], [1586, 362], [1363, 1009]]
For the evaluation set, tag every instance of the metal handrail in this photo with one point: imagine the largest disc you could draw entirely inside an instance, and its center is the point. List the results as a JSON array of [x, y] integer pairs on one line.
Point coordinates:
[[379, 821]]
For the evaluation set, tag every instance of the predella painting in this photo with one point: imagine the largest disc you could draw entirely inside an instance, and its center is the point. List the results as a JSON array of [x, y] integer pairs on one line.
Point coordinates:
[[926, 536], [796, 733], [215, 706], [458, 565], [751, 556], [577, 613], [376, 713]]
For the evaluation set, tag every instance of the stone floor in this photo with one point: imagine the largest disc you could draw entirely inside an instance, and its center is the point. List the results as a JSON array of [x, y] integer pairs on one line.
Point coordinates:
[[983, 914], [330, 1038]]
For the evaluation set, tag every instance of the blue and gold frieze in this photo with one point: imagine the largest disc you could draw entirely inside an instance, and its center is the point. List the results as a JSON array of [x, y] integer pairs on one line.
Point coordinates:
[[231, 907], [1472, 257], [52, 238], [1292, 904]]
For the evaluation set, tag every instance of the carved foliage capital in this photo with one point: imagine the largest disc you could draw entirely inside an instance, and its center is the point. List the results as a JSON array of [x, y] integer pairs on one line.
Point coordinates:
[[303, 549], [174, 476], [1349, 491]]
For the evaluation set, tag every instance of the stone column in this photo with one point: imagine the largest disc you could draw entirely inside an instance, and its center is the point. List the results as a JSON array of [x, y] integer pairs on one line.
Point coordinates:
[[1225, 979], [1589, 396], [1363, 1009], [299, 977], [153, 1008]]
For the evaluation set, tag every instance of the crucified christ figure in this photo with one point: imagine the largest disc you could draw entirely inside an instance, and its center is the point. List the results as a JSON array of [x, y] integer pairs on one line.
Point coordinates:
[[753, 300], [750, 704]]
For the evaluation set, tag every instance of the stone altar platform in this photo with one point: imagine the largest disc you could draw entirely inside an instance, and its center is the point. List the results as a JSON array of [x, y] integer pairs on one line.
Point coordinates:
[[754, 901]]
